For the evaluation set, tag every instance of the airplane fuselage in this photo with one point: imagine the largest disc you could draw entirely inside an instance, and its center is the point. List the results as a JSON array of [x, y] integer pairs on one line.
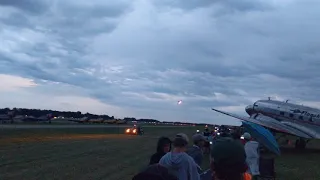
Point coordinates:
[[298, 116], [285, 111]]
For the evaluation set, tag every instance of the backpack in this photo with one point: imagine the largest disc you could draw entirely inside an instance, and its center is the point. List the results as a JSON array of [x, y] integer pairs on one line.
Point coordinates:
[[155, 172]]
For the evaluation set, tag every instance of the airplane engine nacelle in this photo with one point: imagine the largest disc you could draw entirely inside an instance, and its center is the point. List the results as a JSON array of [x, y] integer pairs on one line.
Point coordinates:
[[249, 109]]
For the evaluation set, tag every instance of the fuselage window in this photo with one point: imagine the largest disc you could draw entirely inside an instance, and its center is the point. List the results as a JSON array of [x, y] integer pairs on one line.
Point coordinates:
[[282, 113]]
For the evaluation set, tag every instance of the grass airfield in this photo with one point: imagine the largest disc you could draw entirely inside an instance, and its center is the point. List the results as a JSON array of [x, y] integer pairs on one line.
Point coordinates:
[[106, 153]]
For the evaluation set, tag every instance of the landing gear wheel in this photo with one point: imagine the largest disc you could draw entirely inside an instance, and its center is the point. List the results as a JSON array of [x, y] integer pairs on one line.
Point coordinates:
[[300, 144]]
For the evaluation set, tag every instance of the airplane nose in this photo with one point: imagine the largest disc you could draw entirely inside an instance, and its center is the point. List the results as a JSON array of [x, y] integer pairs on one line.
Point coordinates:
[[249, 109]]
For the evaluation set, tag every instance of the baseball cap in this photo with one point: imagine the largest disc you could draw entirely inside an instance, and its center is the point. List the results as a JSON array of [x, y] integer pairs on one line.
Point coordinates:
[[198, 137], [182, 136], [228, 153], [246, 136]]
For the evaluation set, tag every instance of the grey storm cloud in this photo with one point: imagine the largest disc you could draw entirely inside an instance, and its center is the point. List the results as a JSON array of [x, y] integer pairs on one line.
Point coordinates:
[[232, 5], [30, 6], [143, 56]]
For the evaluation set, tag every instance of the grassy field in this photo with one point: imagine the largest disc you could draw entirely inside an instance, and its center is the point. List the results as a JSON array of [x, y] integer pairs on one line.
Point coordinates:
[[108, 154]]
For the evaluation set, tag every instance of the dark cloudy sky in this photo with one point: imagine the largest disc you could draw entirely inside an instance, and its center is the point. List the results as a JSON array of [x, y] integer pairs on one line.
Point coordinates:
[[139, 57]]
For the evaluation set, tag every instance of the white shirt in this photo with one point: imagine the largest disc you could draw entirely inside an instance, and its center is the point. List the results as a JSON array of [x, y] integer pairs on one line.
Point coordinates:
[[251, 148]]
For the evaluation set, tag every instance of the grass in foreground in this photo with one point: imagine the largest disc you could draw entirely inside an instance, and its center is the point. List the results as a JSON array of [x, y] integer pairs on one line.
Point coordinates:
[[108, 154]]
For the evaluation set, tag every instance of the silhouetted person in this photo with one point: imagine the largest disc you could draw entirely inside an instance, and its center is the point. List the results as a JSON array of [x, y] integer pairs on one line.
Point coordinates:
[[139, 130], [236, 134], [252, 152], [195, 151], [180, 163], [228, 160], [206, 132], [163, 146]]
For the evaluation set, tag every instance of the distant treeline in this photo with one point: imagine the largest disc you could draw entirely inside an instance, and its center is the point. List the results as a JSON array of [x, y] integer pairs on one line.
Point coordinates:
[[65, 114], [69, 114]]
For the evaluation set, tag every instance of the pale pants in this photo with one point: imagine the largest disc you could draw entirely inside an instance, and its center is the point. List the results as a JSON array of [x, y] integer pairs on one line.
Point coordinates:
[[253, 164]]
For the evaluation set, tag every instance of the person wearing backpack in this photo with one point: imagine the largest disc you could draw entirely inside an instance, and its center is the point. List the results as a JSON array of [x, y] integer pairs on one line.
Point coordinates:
[[179, 162]]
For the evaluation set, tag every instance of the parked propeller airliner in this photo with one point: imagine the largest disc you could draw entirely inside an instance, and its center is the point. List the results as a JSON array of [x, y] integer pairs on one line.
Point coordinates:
[[284, 117]]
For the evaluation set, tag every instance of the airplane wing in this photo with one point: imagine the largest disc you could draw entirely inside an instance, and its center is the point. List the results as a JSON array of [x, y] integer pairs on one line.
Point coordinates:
[[276, 125]]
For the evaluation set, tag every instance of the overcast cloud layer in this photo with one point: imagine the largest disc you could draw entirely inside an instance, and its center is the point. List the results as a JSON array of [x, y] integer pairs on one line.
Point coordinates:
[[139, 57]]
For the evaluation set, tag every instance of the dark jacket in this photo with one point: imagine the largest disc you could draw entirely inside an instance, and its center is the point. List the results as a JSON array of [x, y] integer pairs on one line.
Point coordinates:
[[155, 158], [196, 153], [155, 172], [206, 133]]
